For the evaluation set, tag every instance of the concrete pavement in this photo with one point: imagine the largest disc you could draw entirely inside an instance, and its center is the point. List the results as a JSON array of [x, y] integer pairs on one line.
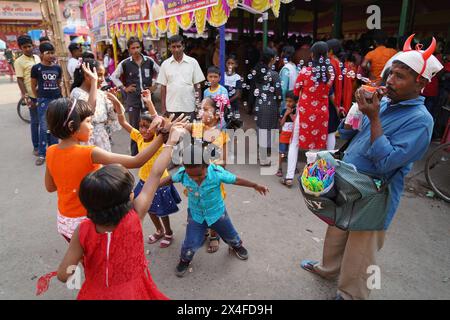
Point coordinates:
[[278, 231]]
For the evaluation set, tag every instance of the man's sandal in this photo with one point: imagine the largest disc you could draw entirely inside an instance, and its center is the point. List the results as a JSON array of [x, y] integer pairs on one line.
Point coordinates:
[[167, 241], [287, 182], [155, 237], [308, 265], [213, 248]]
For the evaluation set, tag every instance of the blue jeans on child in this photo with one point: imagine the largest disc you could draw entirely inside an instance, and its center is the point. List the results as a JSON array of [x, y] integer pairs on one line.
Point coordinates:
[[45, 138], [34, 124], [195, 235]]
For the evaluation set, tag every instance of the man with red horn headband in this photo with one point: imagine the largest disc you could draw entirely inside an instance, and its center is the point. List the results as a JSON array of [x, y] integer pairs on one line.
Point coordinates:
[[396, 131]]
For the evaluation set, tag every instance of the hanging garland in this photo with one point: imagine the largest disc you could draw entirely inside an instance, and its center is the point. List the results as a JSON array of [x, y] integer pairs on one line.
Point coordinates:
[[185, 20], [216, 16], [200, 20], [276, 7], [173, 26]]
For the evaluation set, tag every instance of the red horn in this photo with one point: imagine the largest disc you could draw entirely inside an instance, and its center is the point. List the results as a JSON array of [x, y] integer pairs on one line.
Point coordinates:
[[407, 45], [427, 53]]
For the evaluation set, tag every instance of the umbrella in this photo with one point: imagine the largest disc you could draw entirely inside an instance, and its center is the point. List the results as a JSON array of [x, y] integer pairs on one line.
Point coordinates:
[[35, 34], [2, 45], [79, 39]]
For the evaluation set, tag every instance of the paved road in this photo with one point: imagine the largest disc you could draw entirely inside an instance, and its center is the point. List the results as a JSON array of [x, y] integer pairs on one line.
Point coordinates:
[[277, 230]]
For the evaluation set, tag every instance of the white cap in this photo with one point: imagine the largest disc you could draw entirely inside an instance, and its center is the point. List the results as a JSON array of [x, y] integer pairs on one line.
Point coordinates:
[[421, 61]]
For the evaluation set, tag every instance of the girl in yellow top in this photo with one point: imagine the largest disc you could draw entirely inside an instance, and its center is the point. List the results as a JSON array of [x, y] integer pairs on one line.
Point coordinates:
[[166, 198]]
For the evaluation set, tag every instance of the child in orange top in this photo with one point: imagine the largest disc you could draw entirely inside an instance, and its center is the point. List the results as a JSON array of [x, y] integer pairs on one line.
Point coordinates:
[[68, 162]]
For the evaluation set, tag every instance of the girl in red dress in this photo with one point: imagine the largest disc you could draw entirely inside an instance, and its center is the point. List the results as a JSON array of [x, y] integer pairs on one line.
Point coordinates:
[[313, 86], [111, 241]]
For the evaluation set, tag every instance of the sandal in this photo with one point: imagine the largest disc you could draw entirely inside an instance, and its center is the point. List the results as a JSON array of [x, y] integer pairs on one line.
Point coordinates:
[[308, 265], [167, 241], [213, 248], [287, 182], [155, 237], [279, 173]]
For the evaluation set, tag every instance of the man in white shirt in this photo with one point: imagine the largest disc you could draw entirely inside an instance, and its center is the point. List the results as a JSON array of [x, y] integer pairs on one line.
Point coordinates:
[[76, 52], [180, 78]]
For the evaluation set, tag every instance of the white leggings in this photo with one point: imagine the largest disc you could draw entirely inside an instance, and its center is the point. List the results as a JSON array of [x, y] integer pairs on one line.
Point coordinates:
[[293, 151], [331, 141]]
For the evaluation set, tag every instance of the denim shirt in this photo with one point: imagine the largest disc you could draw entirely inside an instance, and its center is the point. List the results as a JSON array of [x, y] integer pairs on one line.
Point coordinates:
[[407, 128], [205, 202]]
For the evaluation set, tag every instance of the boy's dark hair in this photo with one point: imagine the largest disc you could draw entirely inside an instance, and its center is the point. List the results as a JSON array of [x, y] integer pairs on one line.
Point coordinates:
[[233, 57], [291, 95], [133, 40], [105, 194], [147, 117], [268, 55], [176, 38], [46, 46], [58, 111], [88, 55], [44, 38], [73, 47], [288, 52], [23, 40], [78, 74], [193, 155], [213, 69]]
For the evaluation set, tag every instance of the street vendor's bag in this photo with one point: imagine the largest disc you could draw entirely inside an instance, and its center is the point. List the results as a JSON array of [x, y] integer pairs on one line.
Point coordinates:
[[357, 203]]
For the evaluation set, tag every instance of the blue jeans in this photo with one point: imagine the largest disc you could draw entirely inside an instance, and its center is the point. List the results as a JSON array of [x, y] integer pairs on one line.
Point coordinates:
[[34, 124], [195, 235], [45, 138]]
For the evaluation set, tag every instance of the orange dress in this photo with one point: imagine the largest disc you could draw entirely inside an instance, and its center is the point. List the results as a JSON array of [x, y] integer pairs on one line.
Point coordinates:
[[68, 167]]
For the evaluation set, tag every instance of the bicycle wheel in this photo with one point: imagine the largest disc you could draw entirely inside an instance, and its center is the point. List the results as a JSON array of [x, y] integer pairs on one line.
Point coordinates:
[[437, 171], [22, 111]]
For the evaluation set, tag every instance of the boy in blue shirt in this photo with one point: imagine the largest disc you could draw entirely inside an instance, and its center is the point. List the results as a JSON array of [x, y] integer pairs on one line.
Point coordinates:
[[215, 89], [46, 86], [206, 208]]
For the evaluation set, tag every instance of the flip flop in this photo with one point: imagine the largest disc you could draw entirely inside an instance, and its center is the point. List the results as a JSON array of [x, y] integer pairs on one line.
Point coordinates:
[[308, 265], [167, 241], [287, 182], [155, 237]]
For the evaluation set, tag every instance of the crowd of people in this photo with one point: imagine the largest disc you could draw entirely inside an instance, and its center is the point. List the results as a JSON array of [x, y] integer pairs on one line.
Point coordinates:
[[302, 88]]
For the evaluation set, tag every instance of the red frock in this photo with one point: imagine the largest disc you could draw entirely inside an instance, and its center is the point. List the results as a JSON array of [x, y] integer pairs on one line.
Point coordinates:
[[313, 110], [115, 264]]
